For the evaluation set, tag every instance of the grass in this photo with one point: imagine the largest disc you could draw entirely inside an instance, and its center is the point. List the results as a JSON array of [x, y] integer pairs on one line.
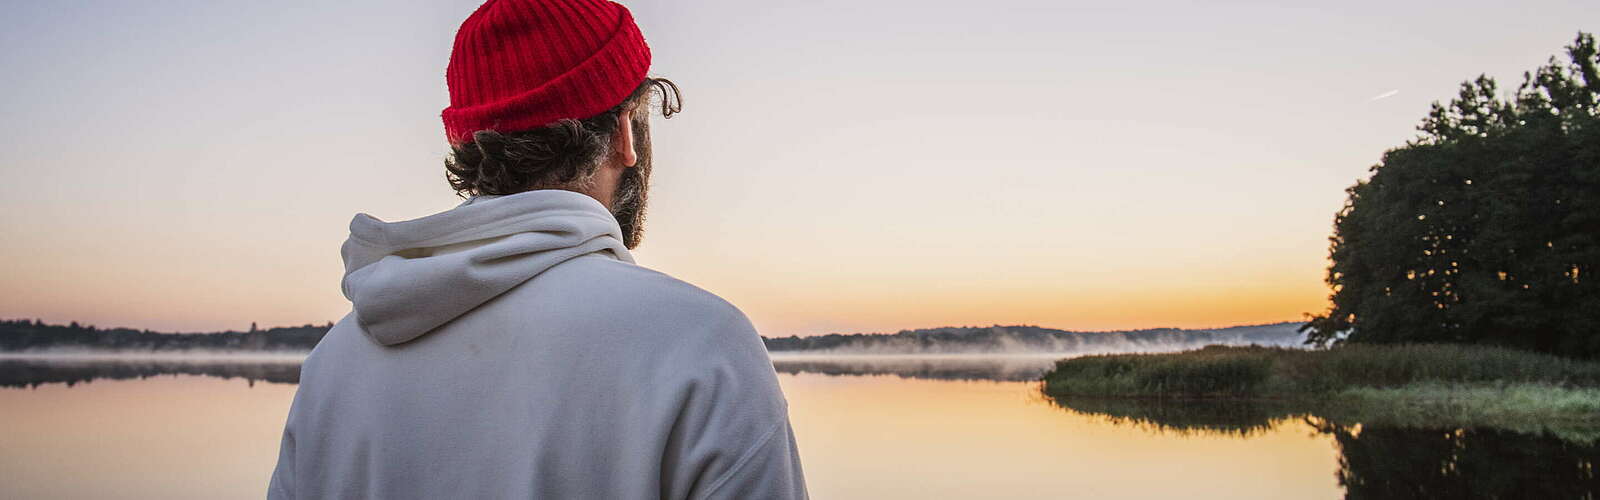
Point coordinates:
[[1443, 384]]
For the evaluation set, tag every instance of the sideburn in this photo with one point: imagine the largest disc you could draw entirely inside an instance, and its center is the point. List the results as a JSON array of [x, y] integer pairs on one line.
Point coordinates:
[[628, 202]]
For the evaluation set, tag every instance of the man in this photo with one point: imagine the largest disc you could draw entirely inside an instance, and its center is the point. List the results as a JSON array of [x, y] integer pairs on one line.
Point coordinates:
[[510, 347]]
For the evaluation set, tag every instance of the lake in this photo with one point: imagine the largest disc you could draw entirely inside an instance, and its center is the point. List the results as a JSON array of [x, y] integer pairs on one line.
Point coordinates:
[[868, 427]]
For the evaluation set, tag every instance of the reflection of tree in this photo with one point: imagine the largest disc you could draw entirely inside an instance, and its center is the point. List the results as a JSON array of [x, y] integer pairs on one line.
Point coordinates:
[[1184, 417], [1388, 460], [1467, 463], [35, 372]]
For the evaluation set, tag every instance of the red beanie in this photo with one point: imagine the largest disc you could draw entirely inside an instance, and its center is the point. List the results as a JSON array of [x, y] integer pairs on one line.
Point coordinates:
[[523, 64]]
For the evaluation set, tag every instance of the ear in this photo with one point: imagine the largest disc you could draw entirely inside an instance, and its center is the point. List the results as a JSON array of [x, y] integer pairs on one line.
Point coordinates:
[[622, 140]]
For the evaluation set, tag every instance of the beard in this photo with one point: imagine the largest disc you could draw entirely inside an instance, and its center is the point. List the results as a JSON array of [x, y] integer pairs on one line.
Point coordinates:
[[628, 202]]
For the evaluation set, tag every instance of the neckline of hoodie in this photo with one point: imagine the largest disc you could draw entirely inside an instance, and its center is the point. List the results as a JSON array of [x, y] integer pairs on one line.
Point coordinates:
[[357, 230]]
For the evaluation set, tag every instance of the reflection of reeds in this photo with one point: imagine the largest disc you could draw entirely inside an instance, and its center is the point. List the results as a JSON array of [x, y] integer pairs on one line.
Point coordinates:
[[1246, 417], [1184, 417]]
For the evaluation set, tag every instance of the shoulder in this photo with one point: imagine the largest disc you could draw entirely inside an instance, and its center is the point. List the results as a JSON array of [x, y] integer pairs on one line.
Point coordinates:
[[685, 324], [607, 288], [343, 341]]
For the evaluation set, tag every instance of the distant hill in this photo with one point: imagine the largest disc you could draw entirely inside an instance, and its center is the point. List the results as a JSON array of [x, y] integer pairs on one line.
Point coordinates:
[[34, 335]]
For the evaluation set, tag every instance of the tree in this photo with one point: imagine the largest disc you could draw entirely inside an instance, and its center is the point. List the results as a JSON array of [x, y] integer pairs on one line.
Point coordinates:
[[1485, 228]]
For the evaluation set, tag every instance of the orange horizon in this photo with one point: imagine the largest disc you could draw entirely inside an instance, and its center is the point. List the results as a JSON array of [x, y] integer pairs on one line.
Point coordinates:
[[1087, 169]]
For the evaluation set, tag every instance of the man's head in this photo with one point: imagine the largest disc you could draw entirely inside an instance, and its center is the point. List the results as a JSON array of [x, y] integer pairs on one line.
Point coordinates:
[[553, 94]]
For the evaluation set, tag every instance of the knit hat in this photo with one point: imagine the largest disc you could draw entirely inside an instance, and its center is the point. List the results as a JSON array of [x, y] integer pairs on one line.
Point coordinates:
[[522, 64]]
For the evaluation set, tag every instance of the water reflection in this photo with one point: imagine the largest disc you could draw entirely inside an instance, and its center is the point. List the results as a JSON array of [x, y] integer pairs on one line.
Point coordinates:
[[1230, 418], [1390, 460], [34, 372], [891, 427], [1393, 462]]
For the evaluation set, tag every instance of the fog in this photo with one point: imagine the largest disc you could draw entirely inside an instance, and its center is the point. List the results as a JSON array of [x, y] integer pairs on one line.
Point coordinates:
[[1033, 340]]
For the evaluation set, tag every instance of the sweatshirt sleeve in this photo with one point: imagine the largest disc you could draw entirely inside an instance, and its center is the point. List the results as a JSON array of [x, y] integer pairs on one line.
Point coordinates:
[[732, 438], [281, 486], [770, 470]]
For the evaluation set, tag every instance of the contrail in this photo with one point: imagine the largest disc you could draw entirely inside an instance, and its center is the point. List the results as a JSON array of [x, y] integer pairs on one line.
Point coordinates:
[[1384, 95]]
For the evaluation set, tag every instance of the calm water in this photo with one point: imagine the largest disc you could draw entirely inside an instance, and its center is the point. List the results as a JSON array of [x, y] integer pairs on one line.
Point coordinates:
[[952, 427]]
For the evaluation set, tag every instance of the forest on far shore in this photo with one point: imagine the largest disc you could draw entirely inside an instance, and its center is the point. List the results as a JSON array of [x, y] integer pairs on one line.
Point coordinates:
[[35, 335]]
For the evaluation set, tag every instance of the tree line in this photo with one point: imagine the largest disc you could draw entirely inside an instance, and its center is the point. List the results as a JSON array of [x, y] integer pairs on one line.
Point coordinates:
[[29, 335], [35, 335]]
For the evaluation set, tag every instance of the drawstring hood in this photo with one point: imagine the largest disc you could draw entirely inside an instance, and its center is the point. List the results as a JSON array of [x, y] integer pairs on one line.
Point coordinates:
[[407, 278]]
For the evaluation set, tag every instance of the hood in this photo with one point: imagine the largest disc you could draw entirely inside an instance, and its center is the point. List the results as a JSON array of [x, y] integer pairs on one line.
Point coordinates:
[[407, 278]]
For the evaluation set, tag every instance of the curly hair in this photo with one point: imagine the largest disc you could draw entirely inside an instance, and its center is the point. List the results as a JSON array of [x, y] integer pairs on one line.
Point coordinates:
[[564, 154]]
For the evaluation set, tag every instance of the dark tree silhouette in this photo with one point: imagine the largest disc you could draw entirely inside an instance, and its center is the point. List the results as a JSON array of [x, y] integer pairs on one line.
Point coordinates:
[[1484, 229], [24, 335]]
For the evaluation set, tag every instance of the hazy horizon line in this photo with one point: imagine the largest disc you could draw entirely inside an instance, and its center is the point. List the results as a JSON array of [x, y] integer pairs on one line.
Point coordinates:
[[996, 325]]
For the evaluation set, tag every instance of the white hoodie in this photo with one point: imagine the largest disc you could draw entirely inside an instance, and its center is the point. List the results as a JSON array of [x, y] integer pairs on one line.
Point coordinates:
[[510, 348]]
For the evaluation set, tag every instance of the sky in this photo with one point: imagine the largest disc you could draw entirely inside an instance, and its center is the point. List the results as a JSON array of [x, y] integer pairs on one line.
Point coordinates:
[[838, 166]]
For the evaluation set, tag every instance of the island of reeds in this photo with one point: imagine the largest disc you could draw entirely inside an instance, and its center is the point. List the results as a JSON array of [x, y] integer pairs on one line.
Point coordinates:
[[1439, 384]]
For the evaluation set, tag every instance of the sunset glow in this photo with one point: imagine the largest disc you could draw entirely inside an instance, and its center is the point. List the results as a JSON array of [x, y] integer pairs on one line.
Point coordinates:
[[914, 164]]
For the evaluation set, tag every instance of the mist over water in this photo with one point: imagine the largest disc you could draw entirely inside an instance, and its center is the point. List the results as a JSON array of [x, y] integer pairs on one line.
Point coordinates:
[[1003, 353], [1034, 340], [74, 368], [1007, 354], [991, 367], [997, 353]]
